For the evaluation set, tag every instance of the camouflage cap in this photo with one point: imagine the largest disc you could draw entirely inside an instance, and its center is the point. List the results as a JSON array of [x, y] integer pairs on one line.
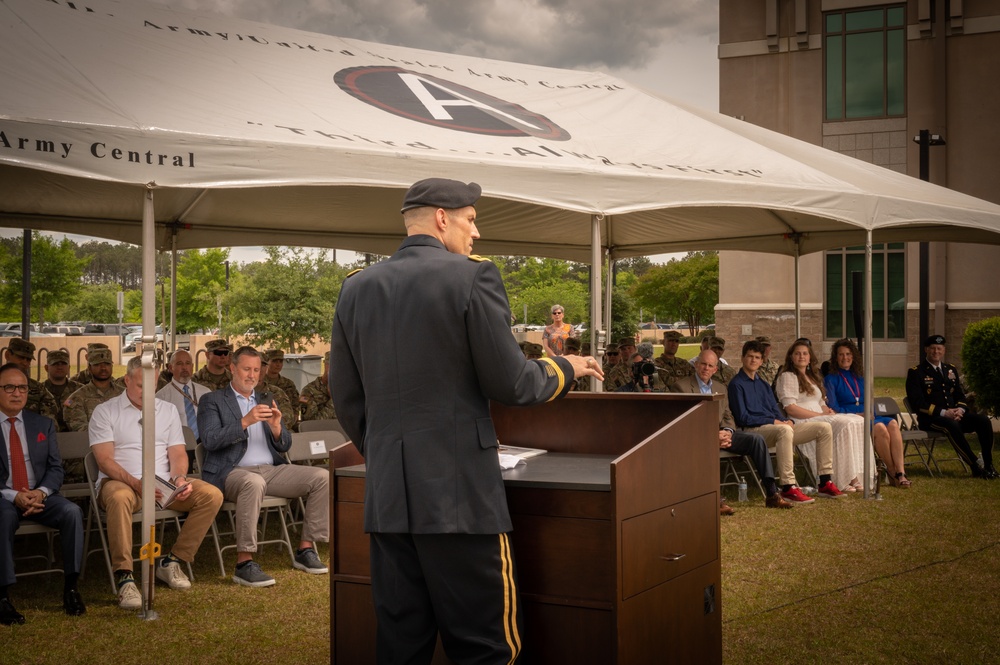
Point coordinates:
[[626, 341], [326, 357], [216, 344], [572, 344], [98, 356], [672, 336], [611, 348], [716, 343], [273, 354], [95, 345], [19, 347], [532, 349], [766, 341], [57, 357]]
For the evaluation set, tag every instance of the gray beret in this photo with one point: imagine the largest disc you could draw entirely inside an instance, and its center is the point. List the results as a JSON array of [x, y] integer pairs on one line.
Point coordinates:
[[441, 193]]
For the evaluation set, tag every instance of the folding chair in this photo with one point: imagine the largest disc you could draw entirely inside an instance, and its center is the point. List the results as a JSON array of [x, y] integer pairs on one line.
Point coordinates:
[[269, 503], [912, 435], [326, 425], [76, 446], [728, 461], [190, 443], [27, 527], [312, 449], [160, 516], [931, 441]]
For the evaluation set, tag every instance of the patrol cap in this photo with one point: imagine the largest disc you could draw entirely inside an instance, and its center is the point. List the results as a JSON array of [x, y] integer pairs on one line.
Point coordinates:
[[57, 357], [98, 356], [95, 345], [441, 193], [716, 343], [572, 344], [612, 347], [274, 354], [934, 339], [626, 341], [216, 344], [326, 357], [766, 341], [532, 349], [672, 336], [19, 347]]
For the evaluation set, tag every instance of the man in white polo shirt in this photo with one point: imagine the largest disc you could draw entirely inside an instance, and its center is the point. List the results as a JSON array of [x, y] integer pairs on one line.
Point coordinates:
[[116, 440]]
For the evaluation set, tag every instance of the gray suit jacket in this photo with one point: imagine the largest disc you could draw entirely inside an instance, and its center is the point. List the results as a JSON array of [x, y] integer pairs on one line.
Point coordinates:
[[421, 344], [225, 441], [689, 384]]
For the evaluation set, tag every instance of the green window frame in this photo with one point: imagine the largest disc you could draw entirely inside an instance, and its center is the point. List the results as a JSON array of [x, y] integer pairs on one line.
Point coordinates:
[[888, 291], [864, 63]]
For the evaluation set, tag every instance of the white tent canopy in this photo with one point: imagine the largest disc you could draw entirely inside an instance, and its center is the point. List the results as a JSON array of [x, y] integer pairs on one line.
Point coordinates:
[[251, 134]]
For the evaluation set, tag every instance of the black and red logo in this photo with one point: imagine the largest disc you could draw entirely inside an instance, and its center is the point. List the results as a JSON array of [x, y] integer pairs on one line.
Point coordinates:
[[436, 101]]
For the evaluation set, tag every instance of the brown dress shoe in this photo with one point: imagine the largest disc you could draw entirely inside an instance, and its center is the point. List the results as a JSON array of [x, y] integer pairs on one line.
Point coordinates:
[[775, 501], [725, 508]]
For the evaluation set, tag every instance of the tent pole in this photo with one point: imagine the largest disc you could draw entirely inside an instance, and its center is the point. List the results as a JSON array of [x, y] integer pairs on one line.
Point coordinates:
[[173, 290], [596, 262], [798, 299], [869, 365], [148, 391]]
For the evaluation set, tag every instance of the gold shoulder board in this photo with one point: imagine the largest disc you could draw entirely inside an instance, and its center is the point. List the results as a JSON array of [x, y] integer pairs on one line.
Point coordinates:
[[354, 272], [476, 257]]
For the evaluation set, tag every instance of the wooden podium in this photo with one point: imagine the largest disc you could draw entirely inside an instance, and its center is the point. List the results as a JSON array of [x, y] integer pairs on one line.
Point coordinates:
[[616, 533]]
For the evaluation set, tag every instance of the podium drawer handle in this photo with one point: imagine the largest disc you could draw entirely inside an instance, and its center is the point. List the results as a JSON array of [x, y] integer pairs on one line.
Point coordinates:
[[673, 557]]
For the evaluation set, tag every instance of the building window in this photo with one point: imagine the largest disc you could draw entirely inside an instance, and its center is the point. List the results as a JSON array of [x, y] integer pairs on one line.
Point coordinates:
[[864, 53], [888, 291]]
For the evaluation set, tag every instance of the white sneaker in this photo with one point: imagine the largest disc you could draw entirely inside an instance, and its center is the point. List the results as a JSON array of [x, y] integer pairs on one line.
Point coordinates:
[[172, 575], [129, 597]]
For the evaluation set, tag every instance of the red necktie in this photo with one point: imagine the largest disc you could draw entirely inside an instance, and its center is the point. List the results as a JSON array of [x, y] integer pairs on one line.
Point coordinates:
[[18, 470]]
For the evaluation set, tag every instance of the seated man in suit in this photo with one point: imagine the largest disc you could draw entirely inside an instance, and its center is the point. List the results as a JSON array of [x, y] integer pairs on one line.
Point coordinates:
[[245, 441], [935, 393], [31, 474], [182, 391], [116, 441], [735, 441]]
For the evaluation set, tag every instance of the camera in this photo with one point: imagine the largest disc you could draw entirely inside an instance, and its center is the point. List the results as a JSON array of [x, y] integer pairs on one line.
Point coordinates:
[[641, 371]]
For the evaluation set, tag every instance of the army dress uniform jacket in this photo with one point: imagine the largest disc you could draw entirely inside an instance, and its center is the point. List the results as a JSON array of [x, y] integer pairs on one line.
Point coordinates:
[[421, 344], [930, 393]]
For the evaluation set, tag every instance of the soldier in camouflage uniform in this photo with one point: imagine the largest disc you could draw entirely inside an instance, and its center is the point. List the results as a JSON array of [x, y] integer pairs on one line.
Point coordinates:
[[571, 347], [40, 400], [621, 374], [215, 373], [83, 376], [768, 369], [725, 371], [78, 407], [610, 357], [275, 362], [668, 365], [315, 398], [61, 387], [532, 351]]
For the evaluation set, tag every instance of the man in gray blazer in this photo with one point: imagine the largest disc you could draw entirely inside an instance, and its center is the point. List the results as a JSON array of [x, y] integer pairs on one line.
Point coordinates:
[[244, 440], [421, 344], [752, 445]]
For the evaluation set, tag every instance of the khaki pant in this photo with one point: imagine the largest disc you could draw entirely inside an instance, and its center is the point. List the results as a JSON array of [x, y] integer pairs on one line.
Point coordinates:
[[783, 437], [246, 486], [119, 502]]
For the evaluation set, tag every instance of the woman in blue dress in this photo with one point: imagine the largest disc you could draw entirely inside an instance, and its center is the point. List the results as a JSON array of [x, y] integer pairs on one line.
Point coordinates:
[[845, 393]]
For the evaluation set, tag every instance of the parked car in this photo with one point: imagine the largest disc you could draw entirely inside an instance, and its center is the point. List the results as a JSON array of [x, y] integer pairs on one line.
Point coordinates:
[[133, 338], [63, 330], [118, 329]]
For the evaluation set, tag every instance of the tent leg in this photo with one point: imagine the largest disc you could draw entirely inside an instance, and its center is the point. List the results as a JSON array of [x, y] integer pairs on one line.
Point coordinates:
[[596, 262], [869, 365], [149, 388]]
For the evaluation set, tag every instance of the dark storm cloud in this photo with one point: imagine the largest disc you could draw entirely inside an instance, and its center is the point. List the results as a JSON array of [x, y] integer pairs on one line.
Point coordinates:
[[580, 34]]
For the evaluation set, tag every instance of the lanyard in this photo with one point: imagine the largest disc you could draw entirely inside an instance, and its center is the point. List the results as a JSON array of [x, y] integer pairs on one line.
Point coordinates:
[[855, 392], [191, 397]]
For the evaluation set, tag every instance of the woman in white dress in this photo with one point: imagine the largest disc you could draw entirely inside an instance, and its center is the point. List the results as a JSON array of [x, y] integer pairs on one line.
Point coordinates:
[[801, 392]]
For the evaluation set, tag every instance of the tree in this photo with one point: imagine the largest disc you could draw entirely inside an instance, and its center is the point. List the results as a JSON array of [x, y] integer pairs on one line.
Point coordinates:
[[687, 288], [201, 282], [286, 300], [980, 349], [95, 302], [55, 274]]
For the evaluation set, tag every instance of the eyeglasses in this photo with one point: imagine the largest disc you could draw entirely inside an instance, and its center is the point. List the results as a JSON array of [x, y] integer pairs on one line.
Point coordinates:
[[220, 352], [11, 388]]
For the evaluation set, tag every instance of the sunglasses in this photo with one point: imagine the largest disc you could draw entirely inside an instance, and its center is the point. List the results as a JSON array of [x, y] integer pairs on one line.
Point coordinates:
[[220, 352], [611, 353]]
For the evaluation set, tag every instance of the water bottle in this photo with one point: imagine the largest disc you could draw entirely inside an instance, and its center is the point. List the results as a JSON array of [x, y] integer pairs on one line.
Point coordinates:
[[743, 489]]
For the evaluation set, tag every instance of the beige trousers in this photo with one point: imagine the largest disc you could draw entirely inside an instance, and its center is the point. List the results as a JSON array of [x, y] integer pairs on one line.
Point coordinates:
[[120, 501], [783, 437], [247, 485]]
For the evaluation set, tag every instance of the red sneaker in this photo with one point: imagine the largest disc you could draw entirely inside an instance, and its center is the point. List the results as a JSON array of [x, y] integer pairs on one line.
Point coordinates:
[[795, 496], [829, 491]]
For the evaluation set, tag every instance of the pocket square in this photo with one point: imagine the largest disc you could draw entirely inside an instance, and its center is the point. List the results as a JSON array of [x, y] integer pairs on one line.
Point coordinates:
[[41, 437]]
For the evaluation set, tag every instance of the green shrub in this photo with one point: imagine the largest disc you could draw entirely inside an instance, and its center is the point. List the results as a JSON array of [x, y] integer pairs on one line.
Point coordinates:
[[981, 363]]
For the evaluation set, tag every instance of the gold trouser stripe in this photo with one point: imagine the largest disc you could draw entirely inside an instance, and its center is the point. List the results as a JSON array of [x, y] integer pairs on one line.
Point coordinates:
[[509, 599], [560, 376]]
